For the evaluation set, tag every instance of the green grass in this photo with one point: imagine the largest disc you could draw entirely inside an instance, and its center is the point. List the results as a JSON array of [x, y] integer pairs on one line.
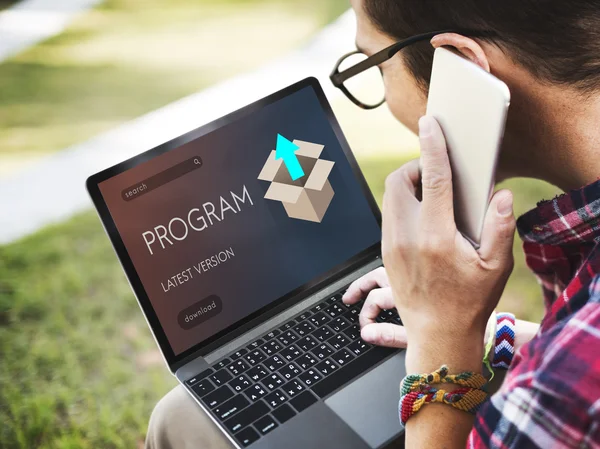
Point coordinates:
[[79, 366], [126, 58]]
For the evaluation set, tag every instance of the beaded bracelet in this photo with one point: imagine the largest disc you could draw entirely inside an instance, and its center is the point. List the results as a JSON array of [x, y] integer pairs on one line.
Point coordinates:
[[465, 399], [415, 382], [504, 349]]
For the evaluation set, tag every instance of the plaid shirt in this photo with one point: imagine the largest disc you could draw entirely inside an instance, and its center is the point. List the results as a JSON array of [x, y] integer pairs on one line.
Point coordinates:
[[550, 397]]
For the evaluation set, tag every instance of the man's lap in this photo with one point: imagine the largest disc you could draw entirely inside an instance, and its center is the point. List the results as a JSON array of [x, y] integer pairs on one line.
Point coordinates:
[[177, 422]]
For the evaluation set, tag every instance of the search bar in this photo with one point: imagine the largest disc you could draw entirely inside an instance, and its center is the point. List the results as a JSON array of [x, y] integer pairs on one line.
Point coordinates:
[[162, 178]]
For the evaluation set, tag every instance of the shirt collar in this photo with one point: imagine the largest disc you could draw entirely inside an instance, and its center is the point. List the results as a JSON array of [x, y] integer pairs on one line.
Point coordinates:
[[571, 218]]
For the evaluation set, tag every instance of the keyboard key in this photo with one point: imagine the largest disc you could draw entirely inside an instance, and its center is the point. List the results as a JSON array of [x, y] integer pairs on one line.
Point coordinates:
[[238, 354], [275, 399], [331, 300], [275, 362], [200, 376], [271, 347], [339, 324], [283, 413], [342, 357], [222, 364], [318, 308], [273, 381], [310, 377], [203, 387], [303, 401], [352, 315], [255, 392], [246, 416], [319, 319], [257, 373], [334, 310], [231, 407], [359, 347], [288, 325], [220, 377], [255, 344], [288, 337], [247, 436], [306, 361], [290, 353], [271, 335], [304, 328], [388, 315], [322, 333], [304, 316], [265, 424], [289, 371], [346, 373], [326, 367], [240, 383], [255, 357], [238, 367], [353, 332], [322, 351], [293, 388], [338, 342], [218, 396], [307, 343]]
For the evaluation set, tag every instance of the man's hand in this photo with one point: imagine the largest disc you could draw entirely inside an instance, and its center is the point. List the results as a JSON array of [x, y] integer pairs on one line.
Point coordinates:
[[443, 288], [375, 287]]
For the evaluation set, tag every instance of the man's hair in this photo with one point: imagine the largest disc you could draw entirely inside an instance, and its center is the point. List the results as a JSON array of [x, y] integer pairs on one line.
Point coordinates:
[[558, 41]]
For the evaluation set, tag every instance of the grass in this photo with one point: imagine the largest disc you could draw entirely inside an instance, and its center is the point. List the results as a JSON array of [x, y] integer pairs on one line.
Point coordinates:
[[125, 58], [79, 366]]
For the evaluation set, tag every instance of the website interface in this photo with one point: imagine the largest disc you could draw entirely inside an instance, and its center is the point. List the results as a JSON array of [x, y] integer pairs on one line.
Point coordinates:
[[234, 220]]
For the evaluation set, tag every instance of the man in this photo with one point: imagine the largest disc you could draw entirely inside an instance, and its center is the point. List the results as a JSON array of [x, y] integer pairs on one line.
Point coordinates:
[[548, 53]]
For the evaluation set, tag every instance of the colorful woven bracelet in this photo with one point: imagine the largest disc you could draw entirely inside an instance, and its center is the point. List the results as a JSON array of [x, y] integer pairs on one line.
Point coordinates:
[[416, 382], [504, 349], [465, 399]]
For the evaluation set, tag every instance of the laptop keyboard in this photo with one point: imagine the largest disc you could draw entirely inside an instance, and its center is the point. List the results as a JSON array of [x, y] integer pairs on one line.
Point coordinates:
[[256, 389]]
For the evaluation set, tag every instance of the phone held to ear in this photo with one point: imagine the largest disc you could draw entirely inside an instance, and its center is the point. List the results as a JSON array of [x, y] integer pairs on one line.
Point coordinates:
[[470, 105]]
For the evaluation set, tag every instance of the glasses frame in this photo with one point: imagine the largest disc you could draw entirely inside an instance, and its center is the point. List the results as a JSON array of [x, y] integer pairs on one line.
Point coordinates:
[[338, 78]]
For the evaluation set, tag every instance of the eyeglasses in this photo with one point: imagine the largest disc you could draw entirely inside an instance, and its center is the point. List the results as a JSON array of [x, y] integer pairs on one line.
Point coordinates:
[[360, 77]]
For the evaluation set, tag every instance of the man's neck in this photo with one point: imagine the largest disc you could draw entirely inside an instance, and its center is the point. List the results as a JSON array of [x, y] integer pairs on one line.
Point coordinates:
[[555, 134]]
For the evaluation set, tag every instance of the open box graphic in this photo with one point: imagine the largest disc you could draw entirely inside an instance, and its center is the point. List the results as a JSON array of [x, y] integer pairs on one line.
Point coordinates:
[[308, 197]]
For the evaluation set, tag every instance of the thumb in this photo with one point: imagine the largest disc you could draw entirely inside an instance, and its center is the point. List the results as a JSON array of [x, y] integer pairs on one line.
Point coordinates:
[[498, 229], [384, 334]]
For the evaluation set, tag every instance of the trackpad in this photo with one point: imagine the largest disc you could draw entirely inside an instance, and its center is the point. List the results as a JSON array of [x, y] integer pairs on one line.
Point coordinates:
[[369, 405]]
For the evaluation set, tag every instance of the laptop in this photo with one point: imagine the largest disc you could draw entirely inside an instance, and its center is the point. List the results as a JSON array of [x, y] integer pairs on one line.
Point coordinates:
[[239, 239]]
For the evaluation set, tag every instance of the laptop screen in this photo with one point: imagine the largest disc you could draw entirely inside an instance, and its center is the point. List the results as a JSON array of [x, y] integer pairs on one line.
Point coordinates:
[[222, 226]]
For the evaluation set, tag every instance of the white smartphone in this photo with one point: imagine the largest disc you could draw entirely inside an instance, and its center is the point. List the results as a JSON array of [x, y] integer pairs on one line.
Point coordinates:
[[471, 106]]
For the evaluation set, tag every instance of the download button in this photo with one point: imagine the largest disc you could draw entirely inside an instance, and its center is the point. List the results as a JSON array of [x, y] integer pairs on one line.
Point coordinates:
[[199, 312]]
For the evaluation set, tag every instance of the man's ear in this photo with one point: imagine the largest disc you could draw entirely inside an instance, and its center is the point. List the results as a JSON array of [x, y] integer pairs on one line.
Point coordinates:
[[465, 45]]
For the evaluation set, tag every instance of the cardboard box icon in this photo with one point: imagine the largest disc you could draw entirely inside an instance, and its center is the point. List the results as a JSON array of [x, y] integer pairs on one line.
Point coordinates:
[[308, 197]]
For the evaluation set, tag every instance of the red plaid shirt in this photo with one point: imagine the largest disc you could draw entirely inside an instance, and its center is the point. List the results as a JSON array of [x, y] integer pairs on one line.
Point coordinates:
[[550, 397]]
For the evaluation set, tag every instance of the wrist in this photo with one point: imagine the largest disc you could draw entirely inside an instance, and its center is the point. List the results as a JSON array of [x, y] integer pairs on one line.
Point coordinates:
[[464, 353]]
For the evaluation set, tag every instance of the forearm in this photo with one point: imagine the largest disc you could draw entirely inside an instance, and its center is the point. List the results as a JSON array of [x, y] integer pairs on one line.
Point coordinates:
[[524, 332]]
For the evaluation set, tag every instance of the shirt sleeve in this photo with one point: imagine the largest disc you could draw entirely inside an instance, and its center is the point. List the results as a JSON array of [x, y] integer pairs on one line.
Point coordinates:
[[550, 396]]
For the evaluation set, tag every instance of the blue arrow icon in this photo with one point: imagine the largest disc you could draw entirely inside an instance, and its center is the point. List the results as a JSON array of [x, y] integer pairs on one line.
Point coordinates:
[[286, 150]]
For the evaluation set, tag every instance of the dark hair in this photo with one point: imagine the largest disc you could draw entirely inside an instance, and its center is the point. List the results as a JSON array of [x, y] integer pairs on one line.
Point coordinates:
[[558, 41]]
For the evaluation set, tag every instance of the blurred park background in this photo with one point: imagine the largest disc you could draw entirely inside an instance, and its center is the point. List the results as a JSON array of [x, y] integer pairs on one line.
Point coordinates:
[[78, 366]]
